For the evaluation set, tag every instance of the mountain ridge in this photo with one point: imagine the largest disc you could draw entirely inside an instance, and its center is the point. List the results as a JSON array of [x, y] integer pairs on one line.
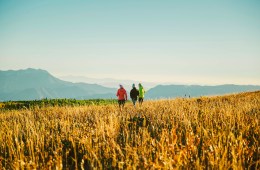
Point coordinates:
[[32, 84], [171, 91]]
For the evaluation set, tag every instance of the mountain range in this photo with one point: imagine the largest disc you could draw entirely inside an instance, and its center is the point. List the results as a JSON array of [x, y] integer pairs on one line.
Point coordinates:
[[32, 84], [171, 91]]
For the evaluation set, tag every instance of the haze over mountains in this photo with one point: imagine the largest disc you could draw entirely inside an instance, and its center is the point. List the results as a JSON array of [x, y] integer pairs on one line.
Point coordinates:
[[31, 84], [107, 82]]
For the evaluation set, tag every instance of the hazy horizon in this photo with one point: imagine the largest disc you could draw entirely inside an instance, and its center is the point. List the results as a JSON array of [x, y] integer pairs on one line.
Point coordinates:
[[201, 42], [105, 80]]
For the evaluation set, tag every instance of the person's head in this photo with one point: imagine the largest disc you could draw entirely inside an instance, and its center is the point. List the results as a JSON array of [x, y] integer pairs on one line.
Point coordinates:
[[133, 85], [140, 85], [121, 86]]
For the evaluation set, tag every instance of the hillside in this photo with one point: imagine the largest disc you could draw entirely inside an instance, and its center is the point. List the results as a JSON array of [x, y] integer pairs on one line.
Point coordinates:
[[31, 84], [200, 133]]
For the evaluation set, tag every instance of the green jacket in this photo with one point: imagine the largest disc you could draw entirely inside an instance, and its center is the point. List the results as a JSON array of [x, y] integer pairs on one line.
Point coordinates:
[[141, 92]]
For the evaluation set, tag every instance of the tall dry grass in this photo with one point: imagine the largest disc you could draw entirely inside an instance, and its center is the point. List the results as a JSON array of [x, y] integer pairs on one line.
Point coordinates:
[[202, 133]]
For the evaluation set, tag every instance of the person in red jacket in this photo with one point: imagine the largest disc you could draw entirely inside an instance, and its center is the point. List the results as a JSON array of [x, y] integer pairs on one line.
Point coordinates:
[[122, 96]]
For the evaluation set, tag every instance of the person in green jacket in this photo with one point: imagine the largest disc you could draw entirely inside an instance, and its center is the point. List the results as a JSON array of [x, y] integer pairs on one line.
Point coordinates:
[[141, 94]]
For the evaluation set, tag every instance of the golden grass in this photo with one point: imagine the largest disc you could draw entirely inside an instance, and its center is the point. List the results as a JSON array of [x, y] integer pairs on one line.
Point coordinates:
[[2, 105], [202, 133]]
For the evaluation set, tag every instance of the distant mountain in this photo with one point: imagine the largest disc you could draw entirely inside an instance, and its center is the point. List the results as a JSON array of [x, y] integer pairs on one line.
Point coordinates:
[[33, 84], [108, 82], [171, 91]]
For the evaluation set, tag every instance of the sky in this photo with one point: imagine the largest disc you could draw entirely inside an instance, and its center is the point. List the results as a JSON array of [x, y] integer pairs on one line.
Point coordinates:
[[176, 41]]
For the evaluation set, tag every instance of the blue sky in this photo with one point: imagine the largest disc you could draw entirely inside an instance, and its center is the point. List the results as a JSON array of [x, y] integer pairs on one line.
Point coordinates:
[[191, 42]]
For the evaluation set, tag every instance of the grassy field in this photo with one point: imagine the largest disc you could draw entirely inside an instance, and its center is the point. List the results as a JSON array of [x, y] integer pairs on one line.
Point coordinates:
[[199, 133]]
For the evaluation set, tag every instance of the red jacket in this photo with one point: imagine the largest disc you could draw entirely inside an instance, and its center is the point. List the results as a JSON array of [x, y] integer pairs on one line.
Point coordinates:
[[121, 94]]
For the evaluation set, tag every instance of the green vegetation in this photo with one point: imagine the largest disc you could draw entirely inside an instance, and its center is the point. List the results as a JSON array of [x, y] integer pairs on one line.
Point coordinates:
[[54, 102]]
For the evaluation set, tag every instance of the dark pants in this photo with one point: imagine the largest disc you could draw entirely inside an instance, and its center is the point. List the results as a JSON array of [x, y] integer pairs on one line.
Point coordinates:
[[134, 101], [140, 99], [121, 102]]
